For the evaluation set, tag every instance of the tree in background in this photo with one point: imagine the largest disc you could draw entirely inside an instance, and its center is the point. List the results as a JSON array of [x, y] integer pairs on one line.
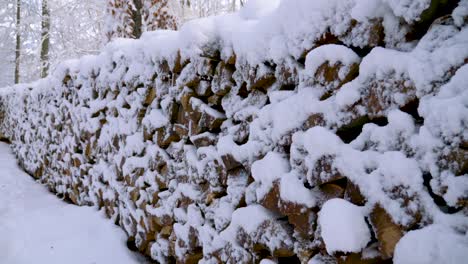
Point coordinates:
[[76, 29], [119, 19], [45, 39], [202, 8], [18, 41], [32, 43], [130, 18], [161, 14], [36, 35], [11, 39]]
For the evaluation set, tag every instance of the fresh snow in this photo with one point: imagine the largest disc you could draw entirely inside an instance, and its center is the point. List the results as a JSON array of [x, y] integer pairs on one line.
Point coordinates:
[[37, 227], [343, 227], [432, 244], [267, 170], [332, 54]]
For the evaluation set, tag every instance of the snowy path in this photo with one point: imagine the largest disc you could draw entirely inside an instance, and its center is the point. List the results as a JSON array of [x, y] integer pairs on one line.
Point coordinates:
[[37, 227]]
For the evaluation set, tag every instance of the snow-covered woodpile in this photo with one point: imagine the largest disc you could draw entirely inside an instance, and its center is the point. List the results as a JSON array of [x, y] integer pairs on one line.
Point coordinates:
[[315, 132]]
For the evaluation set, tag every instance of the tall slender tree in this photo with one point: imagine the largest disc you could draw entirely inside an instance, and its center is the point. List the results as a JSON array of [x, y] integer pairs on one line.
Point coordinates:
[[18, 41], [45, 39], [137, 18]]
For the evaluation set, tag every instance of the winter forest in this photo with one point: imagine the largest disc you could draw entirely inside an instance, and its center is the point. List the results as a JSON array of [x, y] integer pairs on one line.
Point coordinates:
[[36, 35], [233, 131]]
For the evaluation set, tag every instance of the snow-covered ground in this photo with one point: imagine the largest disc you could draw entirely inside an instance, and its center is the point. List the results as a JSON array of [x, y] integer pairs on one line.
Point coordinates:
[[37, 227]]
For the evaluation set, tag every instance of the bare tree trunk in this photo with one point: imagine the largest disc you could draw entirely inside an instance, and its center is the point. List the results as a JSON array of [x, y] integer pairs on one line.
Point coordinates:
[[45, 41], [137, 18], [18, 41]]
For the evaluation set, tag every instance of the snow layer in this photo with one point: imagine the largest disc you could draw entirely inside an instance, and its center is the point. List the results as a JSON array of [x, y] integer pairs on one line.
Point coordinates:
[[432, 244], [343, 227], [267, 170]]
